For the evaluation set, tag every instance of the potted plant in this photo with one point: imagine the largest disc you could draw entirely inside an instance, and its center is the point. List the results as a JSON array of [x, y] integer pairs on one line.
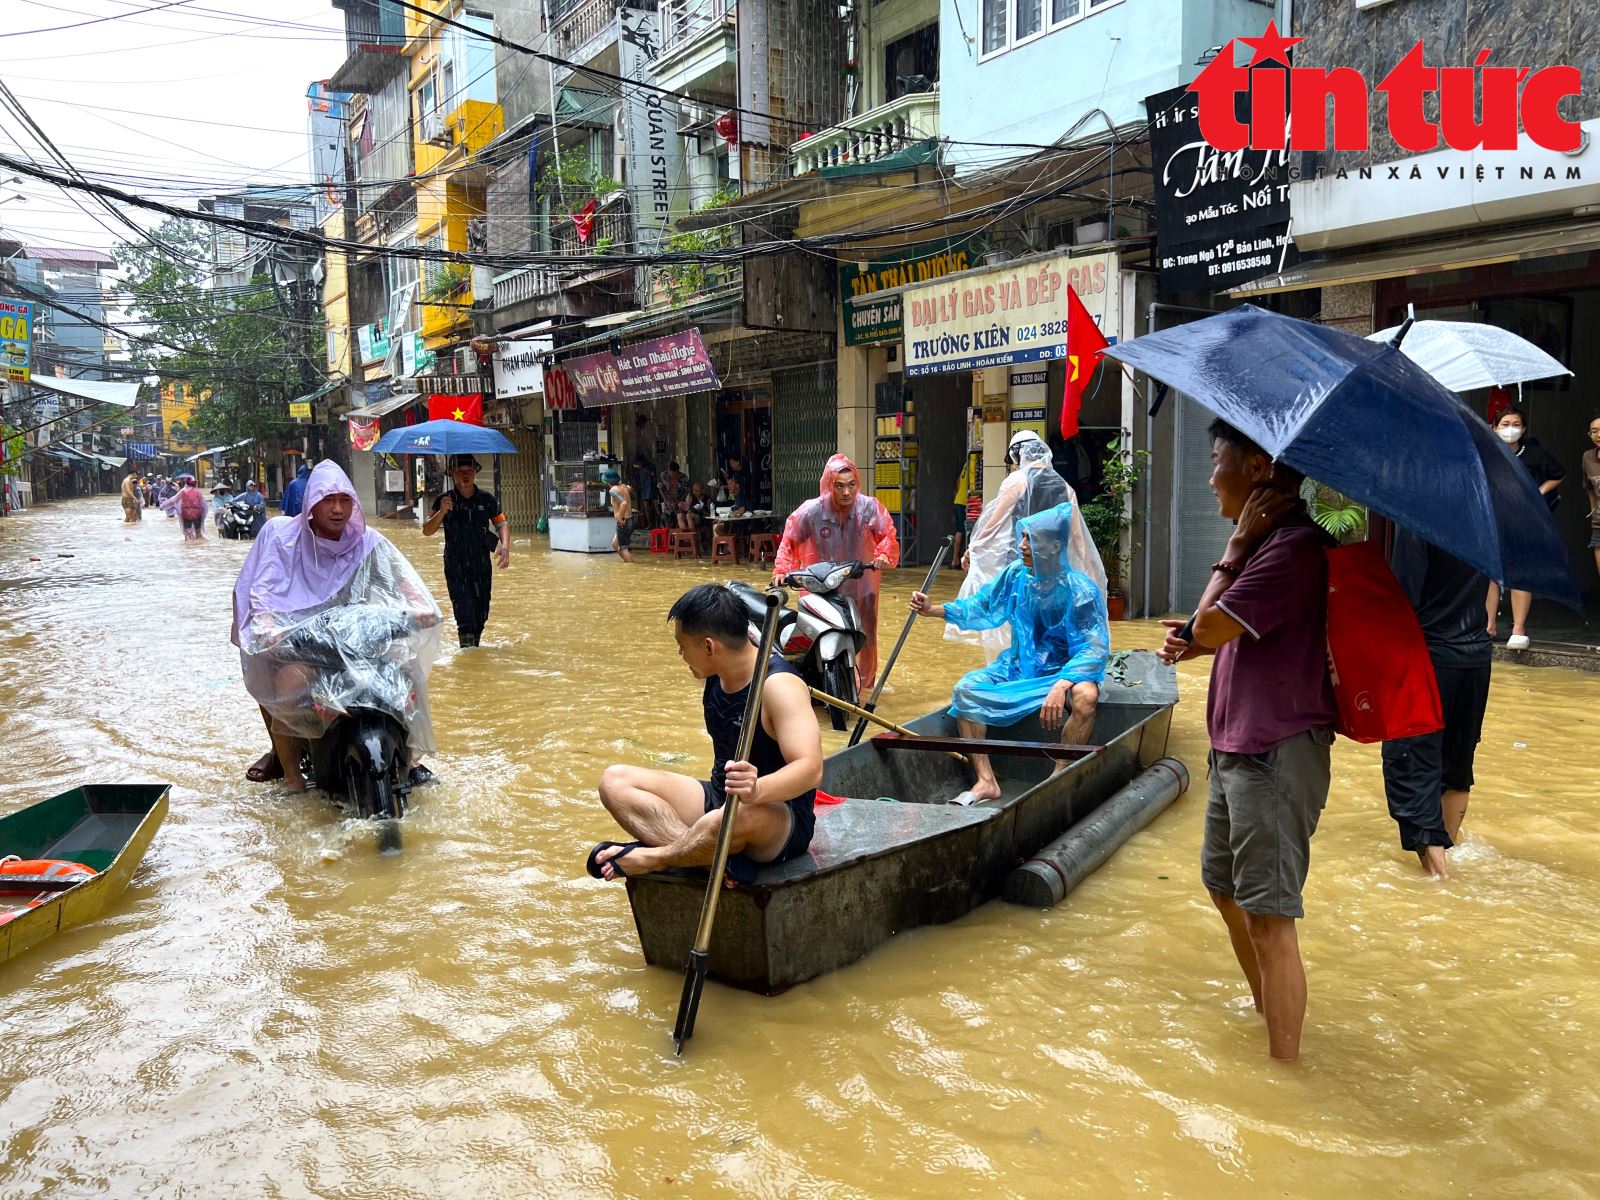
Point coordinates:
[[1109, 516]]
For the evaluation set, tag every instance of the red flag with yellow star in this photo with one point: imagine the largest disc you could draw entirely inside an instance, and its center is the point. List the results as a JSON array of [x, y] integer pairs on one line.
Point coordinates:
[[456, 408], [1085, 346]]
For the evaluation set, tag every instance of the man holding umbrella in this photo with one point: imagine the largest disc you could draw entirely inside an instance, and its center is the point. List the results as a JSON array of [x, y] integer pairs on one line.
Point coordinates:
[[474, 528]]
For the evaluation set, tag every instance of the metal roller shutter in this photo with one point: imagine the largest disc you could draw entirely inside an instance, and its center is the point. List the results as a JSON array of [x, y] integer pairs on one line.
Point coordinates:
[[805, 431], [1199, 534], [519, 479]]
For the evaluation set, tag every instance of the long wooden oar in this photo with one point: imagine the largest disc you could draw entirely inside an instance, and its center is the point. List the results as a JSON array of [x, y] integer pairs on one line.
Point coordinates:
[[883, 675], [856, 710], [1061, 751], [694, 973]]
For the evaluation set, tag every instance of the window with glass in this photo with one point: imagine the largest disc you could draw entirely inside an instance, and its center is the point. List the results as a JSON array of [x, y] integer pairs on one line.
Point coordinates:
[[1007, 23]]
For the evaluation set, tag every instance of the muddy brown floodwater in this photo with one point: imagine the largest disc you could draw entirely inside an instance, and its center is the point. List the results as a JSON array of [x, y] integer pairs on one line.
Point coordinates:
[[275, 1010]]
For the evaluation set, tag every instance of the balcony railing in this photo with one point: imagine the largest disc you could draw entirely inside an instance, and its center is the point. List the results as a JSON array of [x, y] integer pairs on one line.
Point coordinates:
[[684, 20], [529, 283], [574, 22], [885, 130], [613, 230]]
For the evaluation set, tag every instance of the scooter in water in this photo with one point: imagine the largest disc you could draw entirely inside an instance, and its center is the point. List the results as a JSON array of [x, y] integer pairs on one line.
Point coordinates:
[[240, 520], [822, 634], [364, 754]]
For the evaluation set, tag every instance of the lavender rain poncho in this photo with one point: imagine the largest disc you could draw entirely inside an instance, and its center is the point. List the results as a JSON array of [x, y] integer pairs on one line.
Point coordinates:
[[354, 610]]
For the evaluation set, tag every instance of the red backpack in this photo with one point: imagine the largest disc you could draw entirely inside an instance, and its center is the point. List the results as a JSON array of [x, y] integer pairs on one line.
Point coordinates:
[[191, 504], [1383, 678]]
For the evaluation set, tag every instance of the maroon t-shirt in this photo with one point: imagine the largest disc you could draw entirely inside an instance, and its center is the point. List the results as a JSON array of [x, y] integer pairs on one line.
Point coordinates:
[[1271, 682]]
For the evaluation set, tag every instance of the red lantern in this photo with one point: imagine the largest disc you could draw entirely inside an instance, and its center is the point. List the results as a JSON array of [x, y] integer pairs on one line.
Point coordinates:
[[727, 127]]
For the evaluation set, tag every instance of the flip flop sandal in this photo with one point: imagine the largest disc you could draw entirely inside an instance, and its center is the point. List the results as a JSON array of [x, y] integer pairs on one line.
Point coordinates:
[[593, 865], [260, 774]]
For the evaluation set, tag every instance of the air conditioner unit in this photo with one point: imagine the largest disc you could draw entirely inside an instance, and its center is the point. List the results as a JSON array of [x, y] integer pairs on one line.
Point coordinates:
[[466, 361]]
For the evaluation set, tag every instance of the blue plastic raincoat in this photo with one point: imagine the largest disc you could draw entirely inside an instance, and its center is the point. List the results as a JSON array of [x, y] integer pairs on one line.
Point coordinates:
[[1059, 628]]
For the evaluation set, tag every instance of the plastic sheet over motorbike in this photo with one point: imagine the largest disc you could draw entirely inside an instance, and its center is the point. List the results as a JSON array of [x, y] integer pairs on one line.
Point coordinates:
[[327, 625], [1059, 628], [370, 646], [1032, 488]]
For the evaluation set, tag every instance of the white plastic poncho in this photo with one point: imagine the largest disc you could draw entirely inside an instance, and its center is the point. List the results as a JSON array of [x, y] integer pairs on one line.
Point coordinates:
[[1032, 488], [352, 612]]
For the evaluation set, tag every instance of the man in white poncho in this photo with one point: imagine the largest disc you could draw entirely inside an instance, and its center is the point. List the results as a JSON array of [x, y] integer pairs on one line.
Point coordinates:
[[1032, 487]]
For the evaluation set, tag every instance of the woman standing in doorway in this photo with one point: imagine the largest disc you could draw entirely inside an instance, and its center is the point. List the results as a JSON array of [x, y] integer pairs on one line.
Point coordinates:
[[1512, 426]]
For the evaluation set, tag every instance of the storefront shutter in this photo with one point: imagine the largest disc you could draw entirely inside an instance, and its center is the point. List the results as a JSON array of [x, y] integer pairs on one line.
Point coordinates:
[[697, 411], [1199, 534], [519, 480], [805, 432]]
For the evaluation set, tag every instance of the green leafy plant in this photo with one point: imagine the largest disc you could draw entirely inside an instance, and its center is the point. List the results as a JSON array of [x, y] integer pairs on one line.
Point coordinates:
[[684, 281], [446, 281], [1108, 516], [1341, 517], [574, 181]]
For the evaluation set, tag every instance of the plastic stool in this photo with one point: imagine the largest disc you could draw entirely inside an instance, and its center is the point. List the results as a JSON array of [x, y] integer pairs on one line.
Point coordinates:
[[659, 541], [763, 546], [724, 548], [685, 544]]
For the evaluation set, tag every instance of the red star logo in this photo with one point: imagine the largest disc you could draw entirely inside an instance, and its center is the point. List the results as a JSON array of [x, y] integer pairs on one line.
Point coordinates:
[[1271, 45]]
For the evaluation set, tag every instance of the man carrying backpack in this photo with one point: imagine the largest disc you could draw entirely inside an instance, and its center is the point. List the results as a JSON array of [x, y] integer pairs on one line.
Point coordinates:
[[1270, 715], [1428, 779]]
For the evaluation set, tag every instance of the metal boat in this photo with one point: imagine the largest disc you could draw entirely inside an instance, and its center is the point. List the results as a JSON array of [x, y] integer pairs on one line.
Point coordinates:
[[894, 855]]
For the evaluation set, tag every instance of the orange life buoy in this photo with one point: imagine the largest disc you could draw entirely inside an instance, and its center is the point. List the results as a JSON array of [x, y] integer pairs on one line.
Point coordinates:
[[39, 868]]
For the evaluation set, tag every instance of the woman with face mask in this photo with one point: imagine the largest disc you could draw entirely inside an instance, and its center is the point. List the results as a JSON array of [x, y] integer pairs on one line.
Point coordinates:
[[1512, 428]]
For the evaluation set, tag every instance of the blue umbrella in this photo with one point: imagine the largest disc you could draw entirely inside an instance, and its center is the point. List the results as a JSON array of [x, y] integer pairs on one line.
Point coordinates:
[[1361, 417], [444, 437]]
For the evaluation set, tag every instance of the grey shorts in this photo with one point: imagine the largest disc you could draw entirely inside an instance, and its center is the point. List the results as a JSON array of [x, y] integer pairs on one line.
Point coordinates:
[[1261, 814]]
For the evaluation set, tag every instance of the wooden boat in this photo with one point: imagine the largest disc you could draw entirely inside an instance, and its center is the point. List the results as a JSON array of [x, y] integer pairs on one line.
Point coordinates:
[[894, 855], [106, 827]]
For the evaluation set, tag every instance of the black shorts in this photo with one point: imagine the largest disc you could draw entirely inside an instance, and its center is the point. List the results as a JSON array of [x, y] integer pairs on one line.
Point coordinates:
[[193, 524], [802, 824], [624, 533], [1463, 695]]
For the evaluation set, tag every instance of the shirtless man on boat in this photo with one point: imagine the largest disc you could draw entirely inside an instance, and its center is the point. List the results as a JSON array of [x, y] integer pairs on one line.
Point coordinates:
[[1060, 644], [676, 819]]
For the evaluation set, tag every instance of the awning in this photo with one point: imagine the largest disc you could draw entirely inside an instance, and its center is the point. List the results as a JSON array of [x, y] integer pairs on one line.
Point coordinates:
[[142, 450], [214, 449], [1396, 263], [383, 407], [123, 395], [110, 460], [626, 326], [331, 385]]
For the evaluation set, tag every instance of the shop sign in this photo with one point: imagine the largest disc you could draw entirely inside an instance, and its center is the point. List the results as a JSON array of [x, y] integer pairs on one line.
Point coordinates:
[[674, 365], [415, 357], [652, 147], [16, 339], [994, 411], [300, 410], [1013, 314], [873, 322], [374, 342], [1029, 400], [1221, 219], [519, 367], [364, 435]]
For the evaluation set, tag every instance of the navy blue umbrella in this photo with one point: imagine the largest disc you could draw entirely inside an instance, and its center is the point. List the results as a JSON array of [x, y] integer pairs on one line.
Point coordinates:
[[1361, 417], [444, 437]]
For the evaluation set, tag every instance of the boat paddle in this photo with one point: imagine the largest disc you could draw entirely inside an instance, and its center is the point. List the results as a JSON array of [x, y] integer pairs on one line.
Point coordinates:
[[883, 675], [856, 710], [694, 973]]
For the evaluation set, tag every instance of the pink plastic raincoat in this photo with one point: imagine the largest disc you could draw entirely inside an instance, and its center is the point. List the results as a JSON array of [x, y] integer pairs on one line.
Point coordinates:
[[819, 532]]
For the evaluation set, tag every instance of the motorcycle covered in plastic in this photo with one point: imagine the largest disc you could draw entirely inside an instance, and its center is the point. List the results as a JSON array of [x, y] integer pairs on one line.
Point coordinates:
[[350, 677]]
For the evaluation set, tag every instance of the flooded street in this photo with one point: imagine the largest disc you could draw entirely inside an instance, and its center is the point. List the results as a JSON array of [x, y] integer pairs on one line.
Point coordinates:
[[275, 1010]]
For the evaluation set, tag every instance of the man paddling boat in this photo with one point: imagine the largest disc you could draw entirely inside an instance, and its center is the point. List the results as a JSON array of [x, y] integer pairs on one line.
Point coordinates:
[[675, 819]]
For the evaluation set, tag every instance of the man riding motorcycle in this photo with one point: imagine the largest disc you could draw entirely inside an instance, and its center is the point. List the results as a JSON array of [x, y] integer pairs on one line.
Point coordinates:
[[327, 613]]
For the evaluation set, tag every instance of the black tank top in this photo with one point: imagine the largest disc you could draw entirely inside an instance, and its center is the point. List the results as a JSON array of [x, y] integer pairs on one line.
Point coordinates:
[[725, 714]]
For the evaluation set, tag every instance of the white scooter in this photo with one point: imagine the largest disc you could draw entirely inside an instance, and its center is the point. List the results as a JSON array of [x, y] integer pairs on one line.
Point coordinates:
[[822, 634]]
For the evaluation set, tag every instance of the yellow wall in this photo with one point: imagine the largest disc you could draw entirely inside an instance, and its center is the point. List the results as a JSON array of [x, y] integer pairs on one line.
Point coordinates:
[[178, 402], [336, 301]]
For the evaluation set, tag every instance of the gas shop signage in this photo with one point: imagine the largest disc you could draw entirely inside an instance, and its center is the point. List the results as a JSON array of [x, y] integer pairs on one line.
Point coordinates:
[[1222, 219], [1013, 314], [876, 322], [16, 339]]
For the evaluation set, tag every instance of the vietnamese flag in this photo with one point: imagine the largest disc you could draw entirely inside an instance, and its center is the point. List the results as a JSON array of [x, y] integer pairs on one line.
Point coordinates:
[[1085, 347], [467, 408]]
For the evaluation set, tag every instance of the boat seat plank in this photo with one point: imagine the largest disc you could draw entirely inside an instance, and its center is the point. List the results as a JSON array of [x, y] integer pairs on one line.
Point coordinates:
[[858, 829]]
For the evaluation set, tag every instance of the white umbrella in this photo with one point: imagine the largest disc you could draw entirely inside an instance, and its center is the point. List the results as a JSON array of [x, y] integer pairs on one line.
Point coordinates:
[[1464, 355]]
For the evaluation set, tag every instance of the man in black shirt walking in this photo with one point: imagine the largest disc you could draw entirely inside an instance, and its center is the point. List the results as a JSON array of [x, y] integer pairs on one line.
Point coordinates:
[[1428, 779], [474, 528]]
